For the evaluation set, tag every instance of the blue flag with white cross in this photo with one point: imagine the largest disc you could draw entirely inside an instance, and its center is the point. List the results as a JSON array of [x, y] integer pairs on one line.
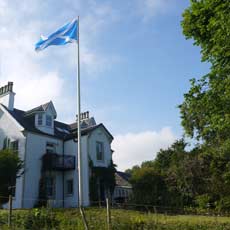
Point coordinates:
[[66, 34]]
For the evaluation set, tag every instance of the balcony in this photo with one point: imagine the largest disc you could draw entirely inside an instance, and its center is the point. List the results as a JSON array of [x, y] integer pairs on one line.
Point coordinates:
[[56, 162]]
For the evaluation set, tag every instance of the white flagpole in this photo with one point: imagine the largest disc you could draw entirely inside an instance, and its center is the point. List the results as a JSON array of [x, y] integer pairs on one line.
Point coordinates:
[[79, 123], [80, 198]]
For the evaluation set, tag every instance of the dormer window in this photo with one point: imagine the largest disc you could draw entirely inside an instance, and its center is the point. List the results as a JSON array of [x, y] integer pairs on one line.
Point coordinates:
[[40, 119], [48, 120]]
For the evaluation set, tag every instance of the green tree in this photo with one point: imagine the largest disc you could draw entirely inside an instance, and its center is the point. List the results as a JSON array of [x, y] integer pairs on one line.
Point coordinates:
[[148, 186], [205, 111], [10, 168], [175, 178], [208, 23]]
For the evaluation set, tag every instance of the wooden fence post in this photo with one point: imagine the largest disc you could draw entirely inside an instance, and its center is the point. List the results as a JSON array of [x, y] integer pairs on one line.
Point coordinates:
[[10, 211], [108, 213]]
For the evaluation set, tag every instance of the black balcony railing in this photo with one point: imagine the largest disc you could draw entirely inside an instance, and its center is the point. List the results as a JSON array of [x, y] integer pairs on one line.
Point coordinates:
[[53, 161]]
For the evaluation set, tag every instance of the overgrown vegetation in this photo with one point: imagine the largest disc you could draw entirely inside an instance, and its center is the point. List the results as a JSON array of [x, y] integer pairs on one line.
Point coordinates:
[[43, 219], [101, 179], [10, 168]]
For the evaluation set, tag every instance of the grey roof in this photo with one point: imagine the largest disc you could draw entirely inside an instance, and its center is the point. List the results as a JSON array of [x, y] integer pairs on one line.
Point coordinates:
[[28, 123], [40, 108], [84, 123], [86, 130], [122, 179]]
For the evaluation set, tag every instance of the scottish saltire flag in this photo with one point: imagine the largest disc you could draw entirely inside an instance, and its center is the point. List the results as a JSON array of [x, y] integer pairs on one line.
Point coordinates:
[[66, 34]]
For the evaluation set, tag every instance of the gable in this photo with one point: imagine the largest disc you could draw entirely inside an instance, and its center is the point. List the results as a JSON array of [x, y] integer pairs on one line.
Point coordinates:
[[102, 128], [49, 108], [43, 108], [9, 127], [8, 115]]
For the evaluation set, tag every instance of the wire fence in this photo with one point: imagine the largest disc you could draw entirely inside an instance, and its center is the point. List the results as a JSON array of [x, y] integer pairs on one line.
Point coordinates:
[[166, 210], [12, 212], [11, 215], [127, 205]]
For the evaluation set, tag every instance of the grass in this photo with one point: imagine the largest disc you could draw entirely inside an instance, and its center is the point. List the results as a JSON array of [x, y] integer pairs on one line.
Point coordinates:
[[69, 219]]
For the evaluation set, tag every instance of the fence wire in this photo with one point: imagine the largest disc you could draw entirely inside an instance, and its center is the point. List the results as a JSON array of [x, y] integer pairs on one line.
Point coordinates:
[[50, 209]]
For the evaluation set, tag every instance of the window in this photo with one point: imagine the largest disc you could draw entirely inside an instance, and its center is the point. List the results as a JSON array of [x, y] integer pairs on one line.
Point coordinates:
[[14, 146], [13, 189], [69, 187], [6, 143], [50, 147], [119, 192], [49, 120], [100, 151], [50, 187], [40, 119]]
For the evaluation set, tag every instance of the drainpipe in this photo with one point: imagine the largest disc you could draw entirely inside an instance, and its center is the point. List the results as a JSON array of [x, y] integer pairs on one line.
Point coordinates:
[[63, 175], [24, 174]]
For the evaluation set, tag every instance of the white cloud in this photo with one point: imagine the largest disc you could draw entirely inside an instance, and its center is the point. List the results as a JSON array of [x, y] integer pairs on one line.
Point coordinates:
[[150, 8], [18, 62], [134, 148], [41, 77]]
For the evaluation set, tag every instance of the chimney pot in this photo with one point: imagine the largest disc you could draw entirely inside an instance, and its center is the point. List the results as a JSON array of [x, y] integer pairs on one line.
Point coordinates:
[[10, 86], [7, 95]]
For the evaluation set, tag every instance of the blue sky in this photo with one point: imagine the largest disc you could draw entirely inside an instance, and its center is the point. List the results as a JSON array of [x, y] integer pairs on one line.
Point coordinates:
[[135, 66]]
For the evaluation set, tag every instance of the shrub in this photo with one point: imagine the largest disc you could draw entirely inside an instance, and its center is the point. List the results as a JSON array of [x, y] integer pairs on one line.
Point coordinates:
[[39, 219], [203, 201]]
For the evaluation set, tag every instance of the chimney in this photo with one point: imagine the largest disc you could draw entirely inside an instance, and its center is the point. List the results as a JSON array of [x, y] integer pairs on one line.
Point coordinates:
[[7, 96], [84, 116]]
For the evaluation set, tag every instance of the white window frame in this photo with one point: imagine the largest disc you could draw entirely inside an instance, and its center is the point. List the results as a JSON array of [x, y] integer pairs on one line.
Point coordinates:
[[50, 186], [6, 143], [101, 144], [14, 146], [68, 193], [40, 119], [48, 120]]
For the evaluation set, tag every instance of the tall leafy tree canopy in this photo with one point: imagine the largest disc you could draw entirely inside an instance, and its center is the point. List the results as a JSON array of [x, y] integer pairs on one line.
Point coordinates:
[[201, 176], [205, 111]]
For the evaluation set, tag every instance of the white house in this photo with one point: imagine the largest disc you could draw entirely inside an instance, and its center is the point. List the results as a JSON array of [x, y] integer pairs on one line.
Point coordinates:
[[49, 149], [123, 189]]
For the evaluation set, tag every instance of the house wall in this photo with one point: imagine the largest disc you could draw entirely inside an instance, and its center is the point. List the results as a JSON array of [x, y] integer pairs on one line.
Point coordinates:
[[71, 200], [100, 135], [122, 192], [32, 147], [11, 129], [8, 100], [71, 149], [35, 149]]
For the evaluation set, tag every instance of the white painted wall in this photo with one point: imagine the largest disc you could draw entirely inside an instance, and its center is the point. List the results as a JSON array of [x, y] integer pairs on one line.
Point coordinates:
[[8, 100], [11, 129], [35, 149], [36, 145], [31, 149], [71, 149], [122, 191], [100, 135]]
